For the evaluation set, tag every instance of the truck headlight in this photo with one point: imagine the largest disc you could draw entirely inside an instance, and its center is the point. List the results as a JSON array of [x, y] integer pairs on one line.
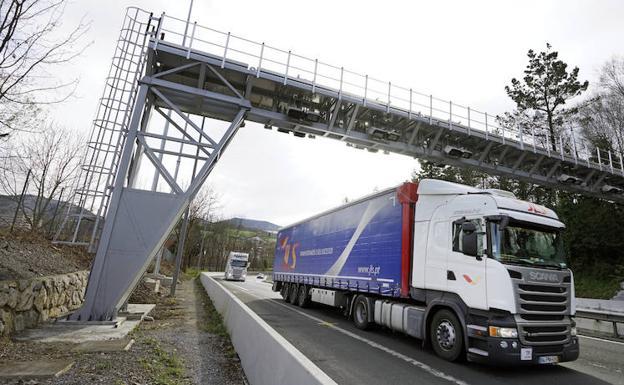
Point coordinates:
[[496, 331], [573, 331]]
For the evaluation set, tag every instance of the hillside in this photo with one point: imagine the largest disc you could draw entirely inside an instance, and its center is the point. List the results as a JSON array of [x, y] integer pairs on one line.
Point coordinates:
[[253, 224]]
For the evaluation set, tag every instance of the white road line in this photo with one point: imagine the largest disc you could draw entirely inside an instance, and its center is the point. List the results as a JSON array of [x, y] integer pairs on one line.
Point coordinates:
[[601, 340], [421, 365], [242, 288]]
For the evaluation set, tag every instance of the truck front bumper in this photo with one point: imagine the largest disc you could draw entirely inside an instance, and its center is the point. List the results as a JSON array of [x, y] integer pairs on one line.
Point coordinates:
[[498, 354]]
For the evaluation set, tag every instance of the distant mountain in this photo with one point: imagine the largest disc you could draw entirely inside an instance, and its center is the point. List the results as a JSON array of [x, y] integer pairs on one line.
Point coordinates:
[[56, 209], [253, 224], [8, 205]]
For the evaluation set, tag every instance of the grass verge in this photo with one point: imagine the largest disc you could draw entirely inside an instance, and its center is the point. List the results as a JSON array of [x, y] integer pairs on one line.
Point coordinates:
[[191, 273], [165, 368], [212, 322]]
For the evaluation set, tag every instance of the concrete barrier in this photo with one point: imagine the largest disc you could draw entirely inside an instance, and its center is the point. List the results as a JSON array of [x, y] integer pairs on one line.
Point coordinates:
[[266, 357]]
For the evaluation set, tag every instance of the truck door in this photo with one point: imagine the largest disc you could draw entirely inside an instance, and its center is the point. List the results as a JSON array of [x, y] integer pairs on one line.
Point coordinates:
[[465, 273]]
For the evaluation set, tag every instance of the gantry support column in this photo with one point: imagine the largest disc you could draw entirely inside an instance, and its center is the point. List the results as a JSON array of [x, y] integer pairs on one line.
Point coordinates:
[[139, 221]]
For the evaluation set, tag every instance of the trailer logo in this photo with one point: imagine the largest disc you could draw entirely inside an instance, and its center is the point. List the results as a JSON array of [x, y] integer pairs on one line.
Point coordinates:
[[290, 250], [471, 281]]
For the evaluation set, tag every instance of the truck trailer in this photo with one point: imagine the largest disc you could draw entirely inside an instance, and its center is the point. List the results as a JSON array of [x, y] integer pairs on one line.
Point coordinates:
[[473, 273]]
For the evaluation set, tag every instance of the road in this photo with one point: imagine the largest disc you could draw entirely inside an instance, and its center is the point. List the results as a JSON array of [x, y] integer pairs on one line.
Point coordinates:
[[354, 357]]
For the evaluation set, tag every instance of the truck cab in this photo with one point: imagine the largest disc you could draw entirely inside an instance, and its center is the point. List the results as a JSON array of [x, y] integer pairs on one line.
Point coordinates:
[[236, 266], [500, 262]]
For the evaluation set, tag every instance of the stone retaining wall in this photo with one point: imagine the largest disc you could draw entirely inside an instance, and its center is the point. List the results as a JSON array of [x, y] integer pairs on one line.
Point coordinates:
[[26, 303]]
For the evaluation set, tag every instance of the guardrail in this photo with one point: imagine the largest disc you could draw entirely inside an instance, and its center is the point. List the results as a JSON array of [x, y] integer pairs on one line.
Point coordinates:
[[597, 315]]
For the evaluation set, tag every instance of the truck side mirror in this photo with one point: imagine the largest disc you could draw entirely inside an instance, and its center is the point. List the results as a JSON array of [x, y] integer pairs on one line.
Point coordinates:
[[469, 239]]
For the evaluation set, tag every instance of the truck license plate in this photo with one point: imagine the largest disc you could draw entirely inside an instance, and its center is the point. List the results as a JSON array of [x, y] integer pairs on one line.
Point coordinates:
[[526, 354], [548, 359]]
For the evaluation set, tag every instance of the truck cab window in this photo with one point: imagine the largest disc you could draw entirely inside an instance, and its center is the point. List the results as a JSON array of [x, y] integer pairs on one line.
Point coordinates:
[[458, 234]]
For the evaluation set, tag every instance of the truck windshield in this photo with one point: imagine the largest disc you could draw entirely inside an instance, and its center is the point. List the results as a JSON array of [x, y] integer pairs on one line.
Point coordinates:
[[237, 263], [526, 244]]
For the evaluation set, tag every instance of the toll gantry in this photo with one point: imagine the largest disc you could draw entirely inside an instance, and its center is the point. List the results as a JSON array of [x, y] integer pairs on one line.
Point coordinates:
[[156, 137]]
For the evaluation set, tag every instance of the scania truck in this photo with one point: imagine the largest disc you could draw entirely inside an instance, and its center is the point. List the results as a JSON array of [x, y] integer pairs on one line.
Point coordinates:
[[473, 273], [236, 266]]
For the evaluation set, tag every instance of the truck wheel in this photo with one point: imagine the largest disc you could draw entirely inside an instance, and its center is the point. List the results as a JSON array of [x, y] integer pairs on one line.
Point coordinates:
[[360, 313], [303, 300], [446, 335], [284, 291], [292, 296]]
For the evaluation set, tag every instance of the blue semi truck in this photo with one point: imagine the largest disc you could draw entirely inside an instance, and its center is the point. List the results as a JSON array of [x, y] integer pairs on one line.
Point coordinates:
[[474, 273]]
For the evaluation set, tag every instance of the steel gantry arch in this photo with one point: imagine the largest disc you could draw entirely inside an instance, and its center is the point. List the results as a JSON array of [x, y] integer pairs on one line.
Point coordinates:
[[187, 75]]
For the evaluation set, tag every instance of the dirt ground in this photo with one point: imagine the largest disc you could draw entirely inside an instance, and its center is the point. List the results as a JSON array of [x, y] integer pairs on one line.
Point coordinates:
[[26, 255], [186, 343]]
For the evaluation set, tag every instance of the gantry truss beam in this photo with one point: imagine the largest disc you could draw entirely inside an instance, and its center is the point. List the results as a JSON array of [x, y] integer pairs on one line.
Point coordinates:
[[361, 123]]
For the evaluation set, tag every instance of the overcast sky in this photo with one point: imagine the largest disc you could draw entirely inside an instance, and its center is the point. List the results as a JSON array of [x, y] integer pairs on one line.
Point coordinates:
[[465, 51]]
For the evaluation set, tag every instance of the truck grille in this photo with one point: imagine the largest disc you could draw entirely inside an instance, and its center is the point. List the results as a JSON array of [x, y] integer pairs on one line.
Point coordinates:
[[543, 308], [543, 300], [545, 334]]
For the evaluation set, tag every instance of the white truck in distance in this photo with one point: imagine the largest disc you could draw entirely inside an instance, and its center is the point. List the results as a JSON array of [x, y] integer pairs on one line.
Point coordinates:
[[236, 266], [475, 273]]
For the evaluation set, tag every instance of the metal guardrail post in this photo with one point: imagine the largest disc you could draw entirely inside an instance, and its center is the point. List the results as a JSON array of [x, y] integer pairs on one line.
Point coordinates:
[[260, 60], [341, 78], [158, 37], [388, 104], [365, 90], [225, 49], [287, 68], [610, 161], [314, 80], [430, 109], [188, 53], [450, 114], [486, 127], [599, 160]]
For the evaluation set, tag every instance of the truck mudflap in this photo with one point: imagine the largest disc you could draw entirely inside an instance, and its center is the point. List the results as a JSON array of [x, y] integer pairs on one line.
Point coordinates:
[[511, 352]]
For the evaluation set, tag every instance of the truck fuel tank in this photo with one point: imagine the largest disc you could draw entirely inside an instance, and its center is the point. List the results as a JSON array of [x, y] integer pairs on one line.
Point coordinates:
[[401, 317]]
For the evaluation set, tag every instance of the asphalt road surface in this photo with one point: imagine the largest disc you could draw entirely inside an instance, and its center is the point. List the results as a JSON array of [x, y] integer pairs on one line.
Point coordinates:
[[354, 357]]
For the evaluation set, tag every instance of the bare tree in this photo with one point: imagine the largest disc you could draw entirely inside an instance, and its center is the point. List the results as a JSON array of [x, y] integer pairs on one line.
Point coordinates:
[[33, 46], [52, 157], [602, 117], [202, 212]]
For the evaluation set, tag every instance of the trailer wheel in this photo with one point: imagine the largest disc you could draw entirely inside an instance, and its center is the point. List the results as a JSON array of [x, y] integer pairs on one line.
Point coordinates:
[[360, 313], [303, 299], [284, 291], [293, 291], [446, 335]]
